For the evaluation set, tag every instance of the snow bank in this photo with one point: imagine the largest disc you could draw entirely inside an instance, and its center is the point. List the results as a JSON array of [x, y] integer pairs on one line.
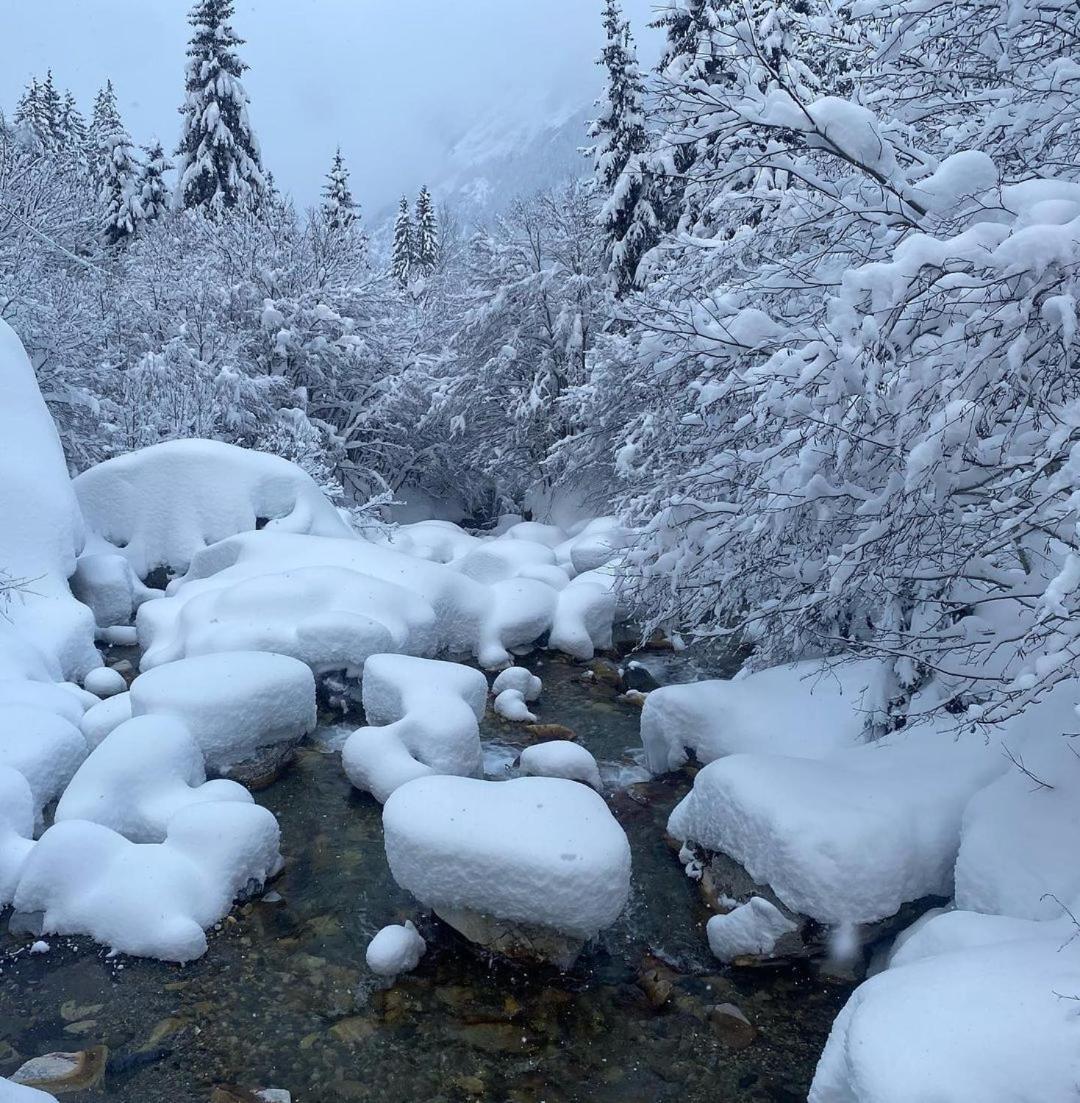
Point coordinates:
[[847, 838], [140, 776], [43, 746], [751, 929], [538, 851], [161, 504], [561, 758], [805, 710], [395, 949], [424, 718], [63, 699], [149, 899], [105, 717], [233, 703], [517, 677], [17, 812], [10, 1092], [44, 632]]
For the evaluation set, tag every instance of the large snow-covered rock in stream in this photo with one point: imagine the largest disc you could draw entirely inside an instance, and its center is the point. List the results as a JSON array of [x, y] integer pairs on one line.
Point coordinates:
[[560, 758], [520, 611], [17, 813], [542, 852], [140, 776], [805, 710], [597, 543], [105, 582], [502, 559], [45, 747], [233, 703], [849, 838], [976, 1008], [149, 899], [519, 678], [424, 719], [45, 633], [584, 615], [64, 699], [750, 929], [161, 504], [439, 541], [105, 717]]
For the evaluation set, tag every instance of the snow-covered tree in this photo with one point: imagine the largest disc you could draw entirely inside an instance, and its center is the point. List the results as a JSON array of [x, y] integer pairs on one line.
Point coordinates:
[[32, 112], [120, 189], [153, 188], [404, 247], [426, 245], [339, 207], [104, 121], [72, 126], [620, 169], [219, 164]]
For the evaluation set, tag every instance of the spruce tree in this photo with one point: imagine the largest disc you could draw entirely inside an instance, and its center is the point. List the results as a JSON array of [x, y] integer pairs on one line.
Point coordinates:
[[339, 207], [72, 125], [104, 122], [427, 234], [403, 249], [119, 189], [220, 166], [52, 110], [619, 164], [30, 112], [153, 190]]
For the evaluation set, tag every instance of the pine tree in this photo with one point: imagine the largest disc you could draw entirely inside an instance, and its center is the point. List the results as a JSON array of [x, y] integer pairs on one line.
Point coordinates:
[[72, 125], [104, 122], [620, 171], [119, 189], [427, 234], [339, 207], [52, 110], [153, 190], [403, 249], [220, 166], [31, 113]]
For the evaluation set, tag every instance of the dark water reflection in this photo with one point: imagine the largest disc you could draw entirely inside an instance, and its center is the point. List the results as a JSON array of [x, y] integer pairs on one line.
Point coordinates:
[[283, 998]]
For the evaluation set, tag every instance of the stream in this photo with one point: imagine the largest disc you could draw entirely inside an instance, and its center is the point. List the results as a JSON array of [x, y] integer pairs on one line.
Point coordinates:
[[283, 998]]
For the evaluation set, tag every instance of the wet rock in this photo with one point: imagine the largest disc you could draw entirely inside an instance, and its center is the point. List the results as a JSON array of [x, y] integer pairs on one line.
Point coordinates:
[[657, 982], [354, 1030], [634, 697], [491, 1037], [732, 1027], [527, 944], [264, 767], [636, 676], [543, 733], [605, 673], [166, 1029], [72, 1012], [81, 1029], [231, 1093], [61, 1073]]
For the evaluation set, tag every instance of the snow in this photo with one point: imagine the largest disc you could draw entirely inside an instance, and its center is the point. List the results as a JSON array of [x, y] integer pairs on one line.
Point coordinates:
[[65, 700], [847, 838], [43, 746], [750, 929], [149, 899], [424, 717], [139, 776], [584, 615], [532, 850], [233, 703], [510, 705], [395, 949], [103, 682], [560, 758], [105, 582], [104, 717], [517, 677], [160, 505], [520, 611], [17, 814], [11, 1092], [805, 710]]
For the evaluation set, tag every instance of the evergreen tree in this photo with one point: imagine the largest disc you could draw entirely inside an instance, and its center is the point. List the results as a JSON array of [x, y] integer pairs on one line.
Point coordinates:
[[119, 189], [104, 122], [403, 249], [620, 170], [52, 111], [72, 125], [31, 113], [220, 166], [153, 190], [339, 207], [426, 254]]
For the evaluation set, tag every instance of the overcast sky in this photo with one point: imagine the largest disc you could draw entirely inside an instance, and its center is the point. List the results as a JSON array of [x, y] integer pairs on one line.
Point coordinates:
[[392, 81]]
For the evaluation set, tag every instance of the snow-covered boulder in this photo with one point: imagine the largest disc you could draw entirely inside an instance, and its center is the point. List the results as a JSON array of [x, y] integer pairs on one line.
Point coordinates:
[[804, 710], [105, 717], [233, 703], [424, 719], [517, 677], [439, 541], [517, 860], [149, 899], [43, 746], [10, 1092], [548, 536], [139, 776], [161, 504], [519, 612], [105, 582], [595, 545], [749, 930], [17, 813], [510, 705], [65, 700], [395, 949], [560, 758], [584, 615], [104, 682], [499, 560]]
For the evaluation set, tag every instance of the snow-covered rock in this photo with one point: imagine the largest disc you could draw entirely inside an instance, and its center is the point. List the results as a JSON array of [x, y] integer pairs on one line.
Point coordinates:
[[103, 682], [517, 677], [560, 758], [510, 705], [160, 505], [233, 703], [751, 929], [149, 899], [424, 718], [105, 717], [519, 612], [10, 1092], [43, 746], [139, 776], [502, 559], [17, 813], [395, 949], [542, 852], [105, 582], [595, 545], [65, 700], [804, 710], [584, 615]]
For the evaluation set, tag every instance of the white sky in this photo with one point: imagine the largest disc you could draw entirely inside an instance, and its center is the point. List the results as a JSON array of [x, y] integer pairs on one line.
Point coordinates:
[[394, 81]]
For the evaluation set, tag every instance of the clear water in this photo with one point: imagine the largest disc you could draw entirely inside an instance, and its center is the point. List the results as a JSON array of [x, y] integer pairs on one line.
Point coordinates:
[[283, 999]]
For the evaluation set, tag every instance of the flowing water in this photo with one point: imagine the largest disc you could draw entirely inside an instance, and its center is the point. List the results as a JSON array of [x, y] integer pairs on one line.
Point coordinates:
[[283, 998]]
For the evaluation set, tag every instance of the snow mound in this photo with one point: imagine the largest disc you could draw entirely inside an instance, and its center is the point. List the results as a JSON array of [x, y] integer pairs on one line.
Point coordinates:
[[750, 929], [43, 746], [804, 710], [103, 682], [598, 543], [16, 829], [140, 776], [561, 758], [510, 705], [105, 717], [532, 850], [233, 703], [395, 949], [10, 1092], [847, 838], [520, 611], [63, 699], [425, 718], [160, 505], [105, 582], [517, 677], [502, 559], [149, 899], [584, 615]]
